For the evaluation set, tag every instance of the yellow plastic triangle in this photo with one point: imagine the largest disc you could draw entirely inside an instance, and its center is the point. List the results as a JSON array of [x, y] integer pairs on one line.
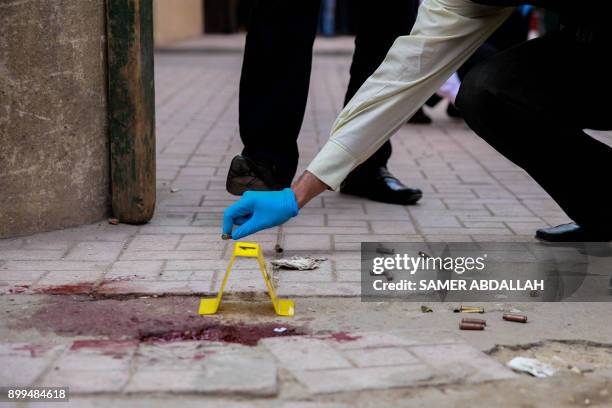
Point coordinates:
[[282, 307]]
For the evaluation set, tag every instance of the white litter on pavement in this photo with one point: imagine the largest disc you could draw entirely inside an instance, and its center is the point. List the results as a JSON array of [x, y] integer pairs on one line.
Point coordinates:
[[301, 263], [280, 329], [531, 366]]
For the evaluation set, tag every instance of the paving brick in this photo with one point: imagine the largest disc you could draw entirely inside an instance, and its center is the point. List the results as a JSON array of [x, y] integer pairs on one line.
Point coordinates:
[[86, 382], [393, 227], [11, 275], [95, 251], [155, 229], [34, 254], [303, 353], [360, 341], [174, 218], [143, 287], [376, 357], [462, 362], [310, 220], [195, 265], [141, 269], [95, 355], [24, 265], [153, 242], [170, 255], [66, 277], [316, 242], [359, 379], [234, 371], [324, 230], [23, 363], [306, 289]]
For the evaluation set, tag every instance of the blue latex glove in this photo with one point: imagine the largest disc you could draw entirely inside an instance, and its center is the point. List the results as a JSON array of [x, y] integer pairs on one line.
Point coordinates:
[[258, 210]]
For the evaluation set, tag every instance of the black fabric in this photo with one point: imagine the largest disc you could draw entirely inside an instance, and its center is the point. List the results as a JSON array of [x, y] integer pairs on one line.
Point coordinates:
[[532, 102], [276, 72]]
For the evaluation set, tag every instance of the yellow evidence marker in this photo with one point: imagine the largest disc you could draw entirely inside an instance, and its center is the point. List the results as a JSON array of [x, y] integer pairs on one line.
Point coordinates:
[[282, 307]]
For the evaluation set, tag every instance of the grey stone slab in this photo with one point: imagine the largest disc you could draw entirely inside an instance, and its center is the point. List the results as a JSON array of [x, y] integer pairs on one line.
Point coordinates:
[[360, 379], [23, 363], [377, 357], [95, 251], [462, 362], [225, 371], [304, 353]]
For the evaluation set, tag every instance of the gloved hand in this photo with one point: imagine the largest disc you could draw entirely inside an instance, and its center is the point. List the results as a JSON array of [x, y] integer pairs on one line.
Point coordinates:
[[258, 210]]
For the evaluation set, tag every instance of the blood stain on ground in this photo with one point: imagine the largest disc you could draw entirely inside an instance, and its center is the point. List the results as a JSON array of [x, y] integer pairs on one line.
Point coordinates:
[[80, 288], [343, 337], [163, 319], [245, 334], [35, 350]]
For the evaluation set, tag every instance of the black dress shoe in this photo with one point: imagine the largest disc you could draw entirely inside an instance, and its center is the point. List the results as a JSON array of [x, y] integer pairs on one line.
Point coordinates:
[[453, 112], [571, 233], [245, 174], [420, 118], [380, 185]]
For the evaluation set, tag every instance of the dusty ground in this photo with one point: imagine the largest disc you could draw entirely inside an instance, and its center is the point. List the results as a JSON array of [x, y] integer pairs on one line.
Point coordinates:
[[558, 334]]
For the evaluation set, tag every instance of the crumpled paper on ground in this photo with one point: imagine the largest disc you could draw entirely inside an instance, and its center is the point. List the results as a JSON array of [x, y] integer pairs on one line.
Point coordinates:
[[301, 263], [531, 366]]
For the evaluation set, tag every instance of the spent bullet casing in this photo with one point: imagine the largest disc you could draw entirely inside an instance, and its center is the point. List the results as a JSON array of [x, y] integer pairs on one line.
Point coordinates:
[[474, 321], [225, 237], [515, 318], [471, 326], [469, 309]]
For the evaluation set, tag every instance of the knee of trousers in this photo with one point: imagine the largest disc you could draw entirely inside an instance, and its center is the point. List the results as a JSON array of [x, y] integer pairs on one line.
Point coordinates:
[[474, 94], [479, 101]]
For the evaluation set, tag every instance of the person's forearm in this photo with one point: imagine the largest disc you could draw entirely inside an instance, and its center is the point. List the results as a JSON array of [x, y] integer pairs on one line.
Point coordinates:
[[446, 33], [307, 187]]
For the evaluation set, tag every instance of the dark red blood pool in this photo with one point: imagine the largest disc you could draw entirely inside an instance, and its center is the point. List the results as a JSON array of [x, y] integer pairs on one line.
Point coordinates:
[[248, 335]]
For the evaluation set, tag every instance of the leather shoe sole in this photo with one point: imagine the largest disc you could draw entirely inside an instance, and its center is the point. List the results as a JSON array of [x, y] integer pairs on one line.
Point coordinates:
[[570, 233]]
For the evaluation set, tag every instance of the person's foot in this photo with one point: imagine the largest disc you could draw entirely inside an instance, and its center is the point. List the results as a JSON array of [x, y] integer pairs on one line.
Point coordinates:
[[571, 232], [453, 112], [420, 118], [380, 185], [245, 174]]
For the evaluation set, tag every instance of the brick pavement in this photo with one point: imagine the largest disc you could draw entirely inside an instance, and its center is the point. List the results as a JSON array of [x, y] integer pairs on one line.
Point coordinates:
[[471, 193], [318, 365]]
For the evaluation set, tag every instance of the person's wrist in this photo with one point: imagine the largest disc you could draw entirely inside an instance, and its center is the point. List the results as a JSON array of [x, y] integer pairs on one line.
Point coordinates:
[[292, 202], [306, 188], [300, 196]]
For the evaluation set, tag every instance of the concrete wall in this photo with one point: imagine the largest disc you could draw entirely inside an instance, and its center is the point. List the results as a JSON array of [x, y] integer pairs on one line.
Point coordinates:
[[177, 20], [54, 163]]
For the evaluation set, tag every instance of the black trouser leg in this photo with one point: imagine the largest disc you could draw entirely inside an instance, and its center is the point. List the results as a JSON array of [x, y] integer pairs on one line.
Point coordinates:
[[532, 102], [275, 79], [378, 25]]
